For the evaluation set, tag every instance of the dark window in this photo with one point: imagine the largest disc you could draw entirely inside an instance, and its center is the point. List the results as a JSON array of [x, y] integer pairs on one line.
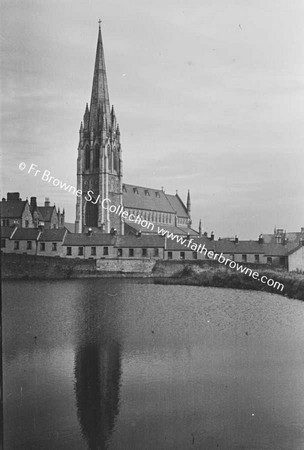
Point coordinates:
[[156, 252], [42, 246], [131, 252], [87, 157], [119, 252], [91, 213], [144, 252], [106, 251], [244, 258], [269, 260], [93, 251], [257, 259], [96, 156], [26, 224], [110, 155], [54, 246], [116, 160], [194, 255], [54, 226], [169, 255], [80, 251], [16, 245], [69, 251], [182, 255], [282, 261], [3, 243]]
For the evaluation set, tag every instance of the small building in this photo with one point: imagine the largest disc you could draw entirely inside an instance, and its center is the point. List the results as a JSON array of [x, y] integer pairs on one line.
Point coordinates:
[[182, 250], [50, 242], [15, 212], [23, 241], [6, 234], [89, 245], [296, 258], [245, 252], [140, 246]]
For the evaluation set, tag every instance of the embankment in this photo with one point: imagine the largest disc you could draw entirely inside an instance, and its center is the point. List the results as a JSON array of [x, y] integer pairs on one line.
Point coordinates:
[[197, 273], [28, 267], [210, 273]]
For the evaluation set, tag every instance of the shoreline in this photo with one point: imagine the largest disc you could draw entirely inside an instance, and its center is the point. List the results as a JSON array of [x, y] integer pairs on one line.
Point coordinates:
[[193, 275], [175, 272]]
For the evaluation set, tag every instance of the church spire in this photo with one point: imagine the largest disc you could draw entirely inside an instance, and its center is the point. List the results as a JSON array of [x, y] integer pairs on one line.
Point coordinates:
[[100, 95], [188, 202]]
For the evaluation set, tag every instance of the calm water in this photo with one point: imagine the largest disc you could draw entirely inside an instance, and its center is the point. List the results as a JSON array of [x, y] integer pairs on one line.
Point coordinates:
[[121, 365]]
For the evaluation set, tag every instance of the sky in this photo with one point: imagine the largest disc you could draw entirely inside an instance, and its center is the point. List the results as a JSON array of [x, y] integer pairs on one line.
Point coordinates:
[[209, 97]]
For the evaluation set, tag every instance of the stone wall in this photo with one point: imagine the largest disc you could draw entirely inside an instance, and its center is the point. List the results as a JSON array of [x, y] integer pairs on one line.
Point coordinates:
[[132, 267], [44, 267]]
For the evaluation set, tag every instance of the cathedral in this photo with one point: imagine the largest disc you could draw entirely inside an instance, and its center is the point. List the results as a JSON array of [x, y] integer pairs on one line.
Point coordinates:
[[100, 173]]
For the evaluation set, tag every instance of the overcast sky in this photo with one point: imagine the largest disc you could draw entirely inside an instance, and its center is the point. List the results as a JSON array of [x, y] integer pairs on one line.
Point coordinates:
[[209, 96]]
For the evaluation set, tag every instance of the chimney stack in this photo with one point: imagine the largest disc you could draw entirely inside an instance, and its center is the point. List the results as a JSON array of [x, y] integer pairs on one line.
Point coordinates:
[[212, 236], [47, 201], [90, 232], [13, 196], [33, 202], [261, 239], [236, 239]]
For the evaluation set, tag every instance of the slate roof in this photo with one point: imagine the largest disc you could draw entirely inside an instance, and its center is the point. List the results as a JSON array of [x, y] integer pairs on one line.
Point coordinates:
[[12, 209], [138, 197], [6, 232], [173, 245], [295, 248], [80, 239], [26, 234], [170, 228], [229, 247], [178, 206], [70, 226], [144, 241], [53, 235], [45, 212]]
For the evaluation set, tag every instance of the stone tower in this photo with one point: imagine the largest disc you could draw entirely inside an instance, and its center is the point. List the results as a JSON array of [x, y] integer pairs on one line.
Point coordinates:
[[99, 162]]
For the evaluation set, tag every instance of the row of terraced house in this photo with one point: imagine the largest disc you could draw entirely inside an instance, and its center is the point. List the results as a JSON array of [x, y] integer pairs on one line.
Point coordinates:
[[273, 250]]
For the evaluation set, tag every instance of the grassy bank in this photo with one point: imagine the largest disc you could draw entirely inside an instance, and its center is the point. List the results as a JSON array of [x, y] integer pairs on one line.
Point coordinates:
[[216, 276]]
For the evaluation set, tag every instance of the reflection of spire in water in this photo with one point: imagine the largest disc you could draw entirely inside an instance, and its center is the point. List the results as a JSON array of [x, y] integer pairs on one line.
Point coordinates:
[[97, 373]]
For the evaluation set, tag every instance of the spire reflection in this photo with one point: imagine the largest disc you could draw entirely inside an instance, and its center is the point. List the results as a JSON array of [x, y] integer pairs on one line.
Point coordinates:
[[97, 377]]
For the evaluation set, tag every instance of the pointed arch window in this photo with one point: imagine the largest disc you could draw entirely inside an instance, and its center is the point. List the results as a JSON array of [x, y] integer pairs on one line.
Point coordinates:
[[96, 156], [87, 157], [110, 158], [116, 160]]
